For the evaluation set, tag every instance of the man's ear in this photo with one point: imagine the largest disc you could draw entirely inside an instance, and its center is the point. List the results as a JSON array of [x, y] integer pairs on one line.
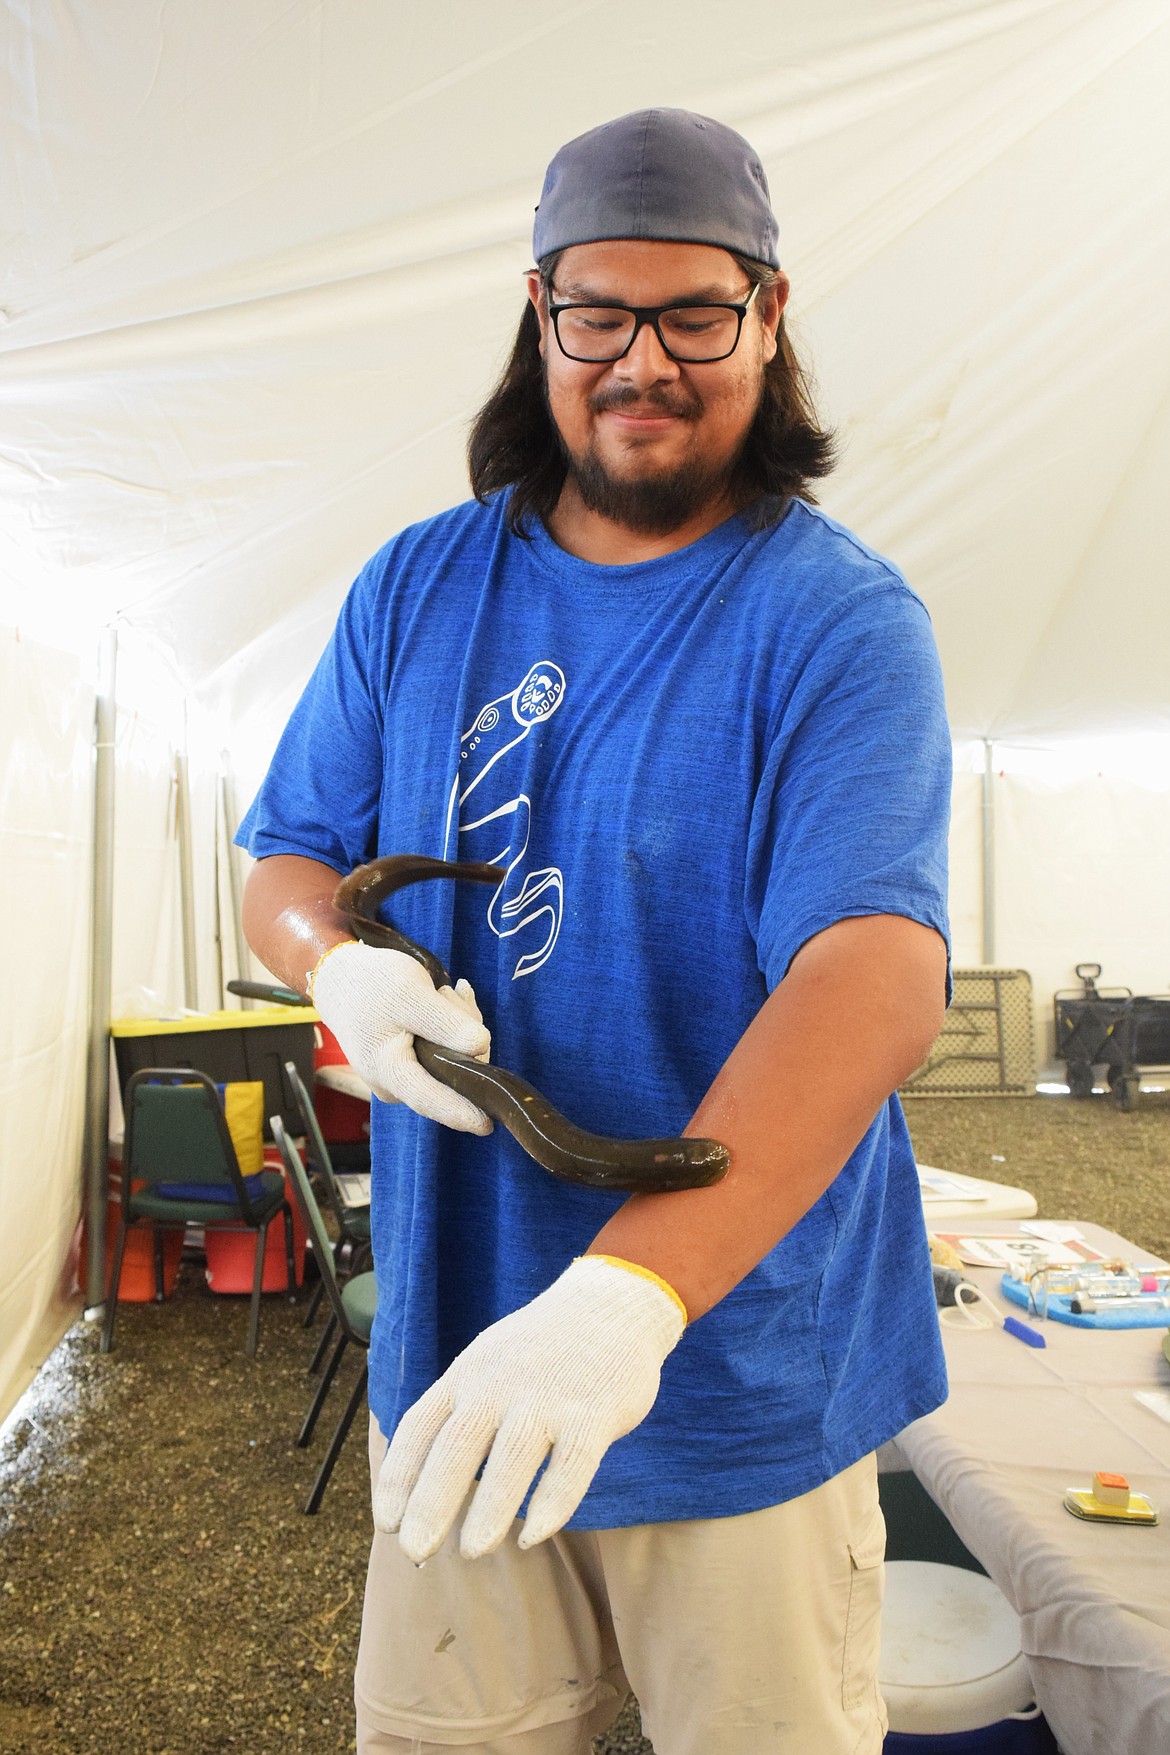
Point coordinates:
[[536, 293], [772, 303]]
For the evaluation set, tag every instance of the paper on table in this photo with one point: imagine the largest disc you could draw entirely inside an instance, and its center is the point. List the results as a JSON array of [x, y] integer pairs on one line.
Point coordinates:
[[1020, 1256], [1057, 1231], [354, 1188], [942, 1185]]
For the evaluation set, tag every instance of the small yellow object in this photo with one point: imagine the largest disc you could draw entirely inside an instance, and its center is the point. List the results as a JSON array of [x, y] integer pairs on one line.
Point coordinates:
[[944, 1254], [1110, 1500]]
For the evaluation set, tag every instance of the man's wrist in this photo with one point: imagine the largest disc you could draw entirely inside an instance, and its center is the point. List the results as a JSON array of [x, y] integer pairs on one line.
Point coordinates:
[[645, 1273], [337, 945]]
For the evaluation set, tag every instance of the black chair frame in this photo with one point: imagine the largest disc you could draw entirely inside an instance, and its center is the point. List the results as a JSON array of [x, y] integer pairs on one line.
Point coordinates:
[[347, 1239], [187, 1212], [319, 1243]]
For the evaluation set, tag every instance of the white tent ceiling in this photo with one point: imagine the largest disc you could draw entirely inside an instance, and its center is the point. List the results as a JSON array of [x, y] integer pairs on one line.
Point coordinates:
[[260, 260]]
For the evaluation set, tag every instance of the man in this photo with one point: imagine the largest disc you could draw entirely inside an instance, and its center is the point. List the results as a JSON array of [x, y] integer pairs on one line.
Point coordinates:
[[701, 728]]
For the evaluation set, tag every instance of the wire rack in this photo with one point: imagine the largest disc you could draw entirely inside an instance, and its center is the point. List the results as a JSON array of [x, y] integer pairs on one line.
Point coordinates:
[[986, 1047]]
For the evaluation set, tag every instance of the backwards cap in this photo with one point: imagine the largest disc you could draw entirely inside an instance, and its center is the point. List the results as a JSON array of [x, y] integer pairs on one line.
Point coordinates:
[[667, 175]]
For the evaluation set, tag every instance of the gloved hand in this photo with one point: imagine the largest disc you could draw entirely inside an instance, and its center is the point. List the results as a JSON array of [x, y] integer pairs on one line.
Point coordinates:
[[376, 1002], [575, 1369]]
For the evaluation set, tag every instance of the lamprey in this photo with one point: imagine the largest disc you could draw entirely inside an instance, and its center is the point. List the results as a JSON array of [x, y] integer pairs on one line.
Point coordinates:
[[555, 1142]]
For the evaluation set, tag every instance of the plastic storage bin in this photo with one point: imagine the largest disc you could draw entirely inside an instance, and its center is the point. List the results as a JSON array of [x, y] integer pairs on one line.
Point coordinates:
[[136, 1285], [231, 1255], [226, 1046], [1029, 1735], [342, 1119], [952, 1673]]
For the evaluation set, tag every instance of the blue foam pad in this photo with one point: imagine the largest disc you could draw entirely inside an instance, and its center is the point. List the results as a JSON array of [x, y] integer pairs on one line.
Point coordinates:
[[1059, 1310]]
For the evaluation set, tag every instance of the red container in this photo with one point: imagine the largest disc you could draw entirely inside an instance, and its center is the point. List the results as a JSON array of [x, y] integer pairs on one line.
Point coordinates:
[[231, 1255], [340, 1117], [136, 1285]]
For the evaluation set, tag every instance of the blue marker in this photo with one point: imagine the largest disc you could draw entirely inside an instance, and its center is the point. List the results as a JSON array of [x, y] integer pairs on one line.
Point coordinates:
[[1031, 1337]]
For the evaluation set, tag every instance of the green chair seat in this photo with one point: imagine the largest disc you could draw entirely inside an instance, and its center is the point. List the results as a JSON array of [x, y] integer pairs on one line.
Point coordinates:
[[357, 1225], [145, 1205], [360, 1297]]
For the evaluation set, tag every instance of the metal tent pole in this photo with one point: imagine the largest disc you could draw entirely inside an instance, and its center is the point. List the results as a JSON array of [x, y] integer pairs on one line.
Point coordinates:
[[217, 906], [186, 883], [95, 1144], [988, 851], [227, 805]]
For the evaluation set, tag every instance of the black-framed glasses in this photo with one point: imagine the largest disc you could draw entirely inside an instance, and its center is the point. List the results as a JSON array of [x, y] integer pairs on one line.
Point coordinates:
[[690, 334]]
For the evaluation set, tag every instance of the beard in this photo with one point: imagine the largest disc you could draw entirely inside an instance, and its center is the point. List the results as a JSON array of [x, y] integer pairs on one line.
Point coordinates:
[[655, 503]]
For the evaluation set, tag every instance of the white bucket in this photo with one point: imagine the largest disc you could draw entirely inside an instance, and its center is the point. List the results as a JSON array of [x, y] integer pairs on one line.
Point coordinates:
[[951, 1658]]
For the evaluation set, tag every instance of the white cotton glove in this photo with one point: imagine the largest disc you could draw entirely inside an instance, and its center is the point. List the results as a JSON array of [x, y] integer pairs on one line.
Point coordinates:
[[376, 1002], [574, 1370]]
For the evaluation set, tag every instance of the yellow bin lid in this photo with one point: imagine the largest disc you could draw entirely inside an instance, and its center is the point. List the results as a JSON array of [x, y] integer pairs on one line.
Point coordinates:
[[269, 1016]]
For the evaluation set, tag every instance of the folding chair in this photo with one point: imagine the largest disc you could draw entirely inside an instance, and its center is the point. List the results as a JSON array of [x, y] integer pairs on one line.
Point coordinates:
[[177, 1143], [354, 1307], [353, 1223]]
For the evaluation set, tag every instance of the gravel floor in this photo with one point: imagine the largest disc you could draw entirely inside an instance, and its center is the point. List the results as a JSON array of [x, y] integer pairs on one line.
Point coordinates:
[[162, 1593], [1082, 1160]]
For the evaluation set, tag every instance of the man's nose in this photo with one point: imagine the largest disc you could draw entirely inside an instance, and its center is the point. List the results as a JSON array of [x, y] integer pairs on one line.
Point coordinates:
[[647, 362]]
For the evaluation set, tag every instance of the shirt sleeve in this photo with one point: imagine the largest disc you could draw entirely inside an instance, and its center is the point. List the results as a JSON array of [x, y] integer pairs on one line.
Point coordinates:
[[321, 795], [852, 812]]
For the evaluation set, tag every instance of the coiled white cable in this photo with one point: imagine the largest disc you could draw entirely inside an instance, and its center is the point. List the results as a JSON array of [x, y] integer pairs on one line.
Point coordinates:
[[965, 1309]]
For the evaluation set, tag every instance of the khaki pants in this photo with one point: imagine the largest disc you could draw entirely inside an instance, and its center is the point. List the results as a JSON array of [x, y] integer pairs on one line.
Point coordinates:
[[752, 1635]]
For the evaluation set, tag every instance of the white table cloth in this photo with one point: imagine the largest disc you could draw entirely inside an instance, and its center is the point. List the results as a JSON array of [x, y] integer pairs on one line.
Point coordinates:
[[1019, 1427]]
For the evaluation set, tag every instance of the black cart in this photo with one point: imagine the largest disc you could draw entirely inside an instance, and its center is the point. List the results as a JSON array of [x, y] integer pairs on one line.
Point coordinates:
[[1111, 1027]]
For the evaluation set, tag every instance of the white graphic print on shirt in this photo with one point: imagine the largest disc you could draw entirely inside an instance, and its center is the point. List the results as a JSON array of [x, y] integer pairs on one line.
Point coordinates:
[[500, 816]]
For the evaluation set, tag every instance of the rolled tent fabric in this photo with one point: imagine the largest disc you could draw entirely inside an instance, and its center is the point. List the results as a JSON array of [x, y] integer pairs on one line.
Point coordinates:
[[46, 735]]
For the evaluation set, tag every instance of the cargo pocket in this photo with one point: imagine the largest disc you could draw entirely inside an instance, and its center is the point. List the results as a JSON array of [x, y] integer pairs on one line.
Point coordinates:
[[863, 1622]]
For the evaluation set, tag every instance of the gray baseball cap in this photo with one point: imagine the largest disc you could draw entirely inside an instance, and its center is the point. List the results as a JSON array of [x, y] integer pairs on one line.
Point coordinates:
[[668, 175]]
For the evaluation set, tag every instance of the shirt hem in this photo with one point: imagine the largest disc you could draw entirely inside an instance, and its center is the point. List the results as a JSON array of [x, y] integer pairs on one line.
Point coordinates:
[[262, 846], [756, 1490], [740, 1491], [918, 909]]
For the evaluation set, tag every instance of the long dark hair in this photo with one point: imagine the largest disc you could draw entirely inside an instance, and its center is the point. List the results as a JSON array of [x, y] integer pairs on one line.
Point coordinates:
[[513, 443]]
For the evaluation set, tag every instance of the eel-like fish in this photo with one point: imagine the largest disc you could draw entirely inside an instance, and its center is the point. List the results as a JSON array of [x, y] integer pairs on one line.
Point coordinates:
[[556, 1143]]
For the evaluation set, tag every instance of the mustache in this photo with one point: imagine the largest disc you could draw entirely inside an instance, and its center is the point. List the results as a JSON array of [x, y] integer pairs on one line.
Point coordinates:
[[654, 400]]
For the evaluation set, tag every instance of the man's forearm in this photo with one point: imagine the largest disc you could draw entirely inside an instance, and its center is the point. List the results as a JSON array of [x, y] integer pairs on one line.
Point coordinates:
[[289, 918], [855, 1015]]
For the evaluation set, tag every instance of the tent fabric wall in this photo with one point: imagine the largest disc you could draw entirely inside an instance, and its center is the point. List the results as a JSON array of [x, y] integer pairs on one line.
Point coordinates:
[[147, 957], [154, 723], [1082, 863], [1080, 874], [46, 807], [46, 740], [965, 854]]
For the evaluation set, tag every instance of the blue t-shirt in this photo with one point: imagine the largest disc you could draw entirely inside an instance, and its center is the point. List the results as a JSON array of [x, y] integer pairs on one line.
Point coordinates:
[[688, 766]]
